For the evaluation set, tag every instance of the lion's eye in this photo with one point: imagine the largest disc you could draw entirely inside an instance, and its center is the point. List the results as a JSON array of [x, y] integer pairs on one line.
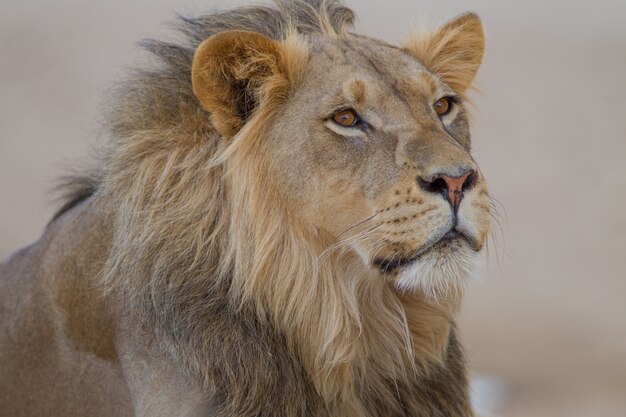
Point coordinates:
[[443, 106], [347, 118]]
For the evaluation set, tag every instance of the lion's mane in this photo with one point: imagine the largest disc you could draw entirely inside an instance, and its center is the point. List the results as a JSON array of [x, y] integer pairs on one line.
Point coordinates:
[[208, 255]]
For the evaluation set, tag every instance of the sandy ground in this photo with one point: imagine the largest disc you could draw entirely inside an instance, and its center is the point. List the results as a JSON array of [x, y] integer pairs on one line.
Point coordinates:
[[548, 320]]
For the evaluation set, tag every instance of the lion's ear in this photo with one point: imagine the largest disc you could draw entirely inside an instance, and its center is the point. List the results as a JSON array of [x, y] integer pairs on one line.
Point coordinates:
[[233, 72], [453, 52]]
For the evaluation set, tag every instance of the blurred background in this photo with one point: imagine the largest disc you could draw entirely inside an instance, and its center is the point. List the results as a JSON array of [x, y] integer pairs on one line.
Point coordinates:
[[545, 329]]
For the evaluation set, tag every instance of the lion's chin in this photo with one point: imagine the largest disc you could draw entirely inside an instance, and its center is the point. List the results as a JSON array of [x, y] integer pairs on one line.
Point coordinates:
[[442, 271]]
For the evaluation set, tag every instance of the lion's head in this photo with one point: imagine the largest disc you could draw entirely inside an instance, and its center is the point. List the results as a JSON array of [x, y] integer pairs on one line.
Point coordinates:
[[364, 143], [321, 179]]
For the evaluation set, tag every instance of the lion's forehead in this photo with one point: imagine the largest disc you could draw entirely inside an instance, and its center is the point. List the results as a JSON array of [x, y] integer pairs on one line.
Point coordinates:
[[388, 73]]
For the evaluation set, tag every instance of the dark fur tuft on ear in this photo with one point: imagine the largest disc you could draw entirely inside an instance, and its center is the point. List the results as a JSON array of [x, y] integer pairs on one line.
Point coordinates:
[[232, 70]]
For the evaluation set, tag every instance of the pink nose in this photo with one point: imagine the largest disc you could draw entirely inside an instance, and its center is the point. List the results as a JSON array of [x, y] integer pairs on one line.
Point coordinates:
[[451, 187]]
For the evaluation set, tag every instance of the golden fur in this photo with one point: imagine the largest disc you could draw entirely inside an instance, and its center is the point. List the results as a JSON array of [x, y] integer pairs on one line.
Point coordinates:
[[442, 50], [219, 220]]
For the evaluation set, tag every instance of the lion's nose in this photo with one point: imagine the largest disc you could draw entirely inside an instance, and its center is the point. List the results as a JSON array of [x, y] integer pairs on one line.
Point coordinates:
[[451, 187]]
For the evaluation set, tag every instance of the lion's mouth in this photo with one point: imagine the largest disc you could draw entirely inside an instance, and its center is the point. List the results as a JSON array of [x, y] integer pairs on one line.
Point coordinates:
[[449, 239]]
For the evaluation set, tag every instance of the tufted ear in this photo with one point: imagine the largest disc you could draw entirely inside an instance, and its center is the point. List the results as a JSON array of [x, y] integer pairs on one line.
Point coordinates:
[[233, 72], [453, 52]]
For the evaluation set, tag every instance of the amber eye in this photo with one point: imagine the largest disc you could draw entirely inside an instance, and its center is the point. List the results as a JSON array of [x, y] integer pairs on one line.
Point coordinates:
[[347, 118], [443, 106]]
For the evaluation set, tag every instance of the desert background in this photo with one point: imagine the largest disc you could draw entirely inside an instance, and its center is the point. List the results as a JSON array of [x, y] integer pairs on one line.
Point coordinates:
[[545, 327]]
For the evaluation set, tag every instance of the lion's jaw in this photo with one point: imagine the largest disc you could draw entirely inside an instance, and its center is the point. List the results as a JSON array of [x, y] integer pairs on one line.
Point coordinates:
[[426, 247], [437, 262], [440, 273]]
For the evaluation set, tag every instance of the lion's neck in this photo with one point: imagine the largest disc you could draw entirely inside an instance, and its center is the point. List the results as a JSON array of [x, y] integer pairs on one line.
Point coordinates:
[[354, 332], [355, 348]]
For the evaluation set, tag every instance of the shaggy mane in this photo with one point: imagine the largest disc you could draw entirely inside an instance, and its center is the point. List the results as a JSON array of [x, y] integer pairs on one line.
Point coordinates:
[[161, 97], [212, 260]]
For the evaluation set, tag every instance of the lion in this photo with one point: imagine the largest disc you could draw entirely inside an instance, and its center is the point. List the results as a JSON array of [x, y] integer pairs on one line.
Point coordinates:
[[281, 223]]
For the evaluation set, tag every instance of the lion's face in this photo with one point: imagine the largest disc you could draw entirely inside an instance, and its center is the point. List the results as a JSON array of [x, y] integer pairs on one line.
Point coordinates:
[[369, 147], [367, 152]]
